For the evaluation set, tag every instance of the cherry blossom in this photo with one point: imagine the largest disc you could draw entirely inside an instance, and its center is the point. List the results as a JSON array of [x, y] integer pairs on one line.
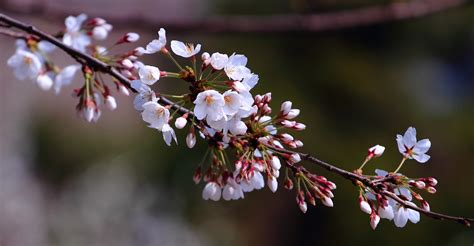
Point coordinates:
[[411, 149], [25, 64], [155, 115], [184, 50], [210, 104], [156, 45], [74, 36]]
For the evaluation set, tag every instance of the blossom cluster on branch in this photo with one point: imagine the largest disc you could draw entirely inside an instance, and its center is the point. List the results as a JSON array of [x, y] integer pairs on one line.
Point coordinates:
[[249, 143]]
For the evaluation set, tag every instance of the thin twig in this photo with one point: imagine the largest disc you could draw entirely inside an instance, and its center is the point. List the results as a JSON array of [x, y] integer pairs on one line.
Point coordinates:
[[356, 177], [103, 67]]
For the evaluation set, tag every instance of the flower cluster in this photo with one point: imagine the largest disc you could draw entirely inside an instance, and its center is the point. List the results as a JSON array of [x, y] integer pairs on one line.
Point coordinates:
[[244, 139], [32, 61], [379, 206]]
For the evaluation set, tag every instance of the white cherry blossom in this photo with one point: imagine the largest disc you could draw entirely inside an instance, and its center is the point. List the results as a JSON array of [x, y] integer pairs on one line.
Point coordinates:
[[210, 104], [65, 77], [155, 45], [410, 148], [402, 215], [155, 115], [236, 67], [149, 74], [145, 94], [184, 50], [218, 60], [74, 36], [212, 191], [25, 64]]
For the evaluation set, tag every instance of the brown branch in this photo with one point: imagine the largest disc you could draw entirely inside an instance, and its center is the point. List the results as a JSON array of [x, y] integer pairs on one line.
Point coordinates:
[[103, 67], [356, 177], [364, 16]]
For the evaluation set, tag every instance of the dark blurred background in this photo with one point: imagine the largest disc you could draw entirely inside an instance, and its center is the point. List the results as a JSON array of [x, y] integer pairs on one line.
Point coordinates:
[[67, 182]]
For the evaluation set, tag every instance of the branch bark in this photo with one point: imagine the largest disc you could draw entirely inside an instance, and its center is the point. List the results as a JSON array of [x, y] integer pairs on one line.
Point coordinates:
[[103, 67]]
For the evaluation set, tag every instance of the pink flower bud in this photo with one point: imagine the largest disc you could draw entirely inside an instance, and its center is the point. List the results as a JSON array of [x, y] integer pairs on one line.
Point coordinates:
[[180, 122], [127, 63], [431, 189], [197, 175], [285, 137], [272, 183], [99, 33], [374, 220], [376, 151], [365, 206], [295, 158], [288, 124], [191, 140], [131, 37], [425, 205], [275, 163], [420, 184], [299, 126], [124, 90], [432, 181], [293, 113], [288, 184], [327, 202], [285, 107], [110, 103]]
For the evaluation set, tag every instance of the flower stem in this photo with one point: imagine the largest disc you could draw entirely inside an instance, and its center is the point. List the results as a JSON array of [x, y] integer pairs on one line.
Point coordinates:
[[400, 165], [365, 162], [174, 61]]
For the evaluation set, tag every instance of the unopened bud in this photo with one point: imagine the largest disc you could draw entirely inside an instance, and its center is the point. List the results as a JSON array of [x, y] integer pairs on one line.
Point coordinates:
[[327, 202], [292, 114], [431, 189], [295, 158], [124, 90], [365, 206], [197, 175], [275, 163], [288, 184], [180, 122], [374, 220], [299, 126], [425, 205], [432, 181], [110, 102], [191, 140], [272, 183], [285, 107]]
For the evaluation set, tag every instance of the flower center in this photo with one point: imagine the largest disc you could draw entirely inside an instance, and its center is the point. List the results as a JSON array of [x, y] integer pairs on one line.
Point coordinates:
[[228, 99], [189, 48], [209, 100], [27, 60]]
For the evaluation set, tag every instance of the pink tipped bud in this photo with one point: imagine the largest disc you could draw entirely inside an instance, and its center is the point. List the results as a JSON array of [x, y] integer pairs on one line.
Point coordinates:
[[425, 205], [327, 202], [110, 102], [376, 151], [431, 189], [180, 122], [420, 184], [197, 175], [295, 158], [127, 63], [432, 181], [286, 107], [275, 163], [97, 22], [365, 206], [331, 185], [129, 38], [191, 140], [272, 183], [374, 220], [285, 137], [292, 114], [124, 90], [298, 143], [206, 58], [288, 184], [99, 33], [299, 126]]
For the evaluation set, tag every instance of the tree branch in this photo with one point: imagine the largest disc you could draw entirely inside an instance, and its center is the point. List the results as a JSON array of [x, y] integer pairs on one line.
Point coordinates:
[[356, 177], [364, 16], [103, 67]]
